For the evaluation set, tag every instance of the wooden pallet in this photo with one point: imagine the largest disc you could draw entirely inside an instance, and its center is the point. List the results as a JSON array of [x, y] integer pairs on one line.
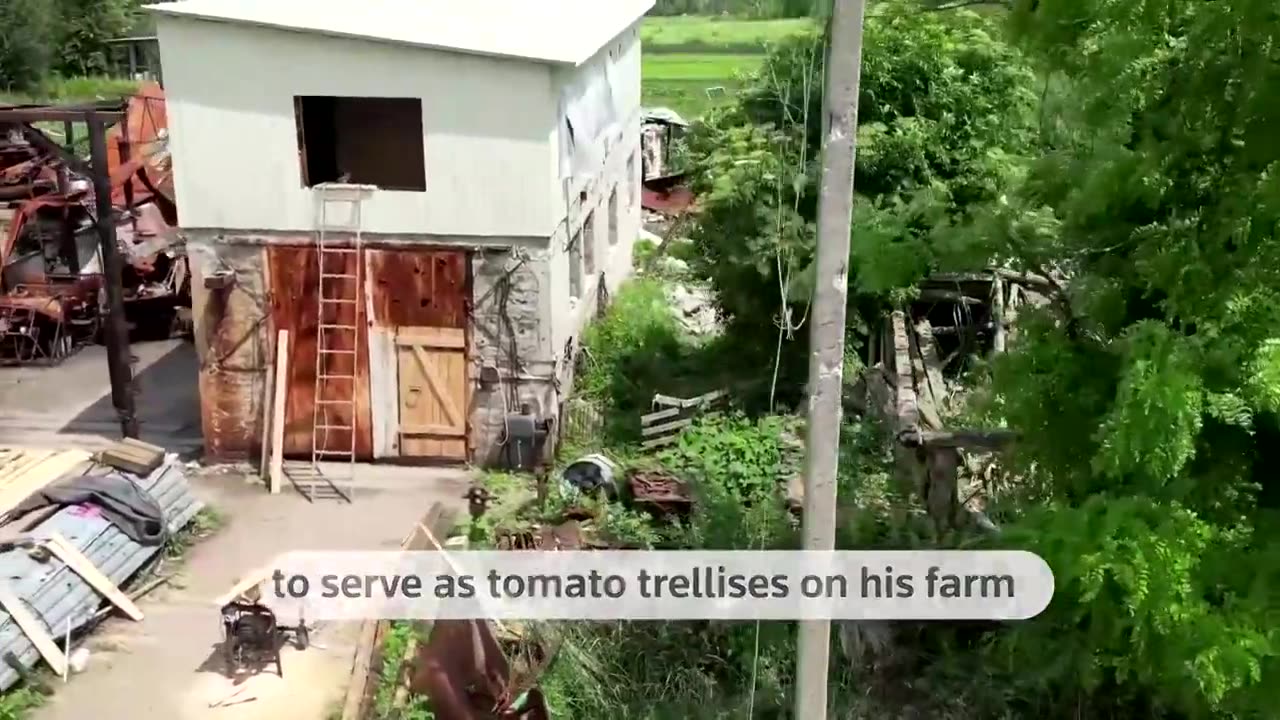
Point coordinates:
[[663, 426]]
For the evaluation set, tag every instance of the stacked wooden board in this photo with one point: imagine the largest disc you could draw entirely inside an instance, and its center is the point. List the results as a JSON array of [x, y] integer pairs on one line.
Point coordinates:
[[24, 471]]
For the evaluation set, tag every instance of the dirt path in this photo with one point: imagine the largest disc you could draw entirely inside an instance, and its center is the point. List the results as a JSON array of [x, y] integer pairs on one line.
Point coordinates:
[[167, 668]]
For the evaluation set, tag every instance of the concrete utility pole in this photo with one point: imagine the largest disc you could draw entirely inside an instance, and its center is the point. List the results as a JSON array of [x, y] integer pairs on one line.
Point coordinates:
[[827, 332]]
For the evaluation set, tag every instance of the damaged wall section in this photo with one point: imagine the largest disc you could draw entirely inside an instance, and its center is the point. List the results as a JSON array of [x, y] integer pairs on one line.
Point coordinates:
[[513, 360], [232, 331]]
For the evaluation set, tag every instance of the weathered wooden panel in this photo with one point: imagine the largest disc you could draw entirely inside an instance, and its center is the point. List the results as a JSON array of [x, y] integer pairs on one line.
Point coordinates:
[[419, 288], [434, 392], [295, 285]]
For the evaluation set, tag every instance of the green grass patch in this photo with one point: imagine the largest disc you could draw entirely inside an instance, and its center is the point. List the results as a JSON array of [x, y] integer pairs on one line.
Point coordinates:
[[19, 702], [699, 67], [685, 33], [394, 646], [694, 83], [75, 90]]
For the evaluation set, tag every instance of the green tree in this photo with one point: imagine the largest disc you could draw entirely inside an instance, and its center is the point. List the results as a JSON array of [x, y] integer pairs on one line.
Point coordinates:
[[85, 28], [26, 39], [1147, 395], [945, 109]]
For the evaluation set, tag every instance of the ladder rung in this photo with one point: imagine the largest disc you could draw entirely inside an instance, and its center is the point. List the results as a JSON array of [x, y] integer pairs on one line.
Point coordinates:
[[335, 402], [334, 427], [337, 377], [331, 326], [338, 300], [333, 453], [337, 275], [337, 352]]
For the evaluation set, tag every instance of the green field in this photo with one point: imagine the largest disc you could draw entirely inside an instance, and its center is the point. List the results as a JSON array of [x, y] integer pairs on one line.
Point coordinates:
[[691, 63]]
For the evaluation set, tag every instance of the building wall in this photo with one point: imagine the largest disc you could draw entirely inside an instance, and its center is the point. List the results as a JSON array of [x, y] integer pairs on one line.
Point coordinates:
[[487, 127], [235, 330], [586, 195], [500, 197]]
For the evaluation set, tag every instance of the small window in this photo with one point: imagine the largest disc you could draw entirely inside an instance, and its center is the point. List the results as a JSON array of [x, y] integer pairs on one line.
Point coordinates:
[[361, 140], [613, 217], [575, 266], [589, 242]]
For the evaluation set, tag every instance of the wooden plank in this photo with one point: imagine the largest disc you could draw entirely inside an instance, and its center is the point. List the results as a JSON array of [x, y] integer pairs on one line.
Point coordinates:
[[704, 399], [277, 415], [660, 415], [907, 410], [444, 430], [132, 458], [433, 394], [360, 670], [82, 566], [659, 442], [268, 412], [670, 427], [420, 538], [37, 477], [33, 629], [452, 414], [24, 464], [249, 581], [432, 337]]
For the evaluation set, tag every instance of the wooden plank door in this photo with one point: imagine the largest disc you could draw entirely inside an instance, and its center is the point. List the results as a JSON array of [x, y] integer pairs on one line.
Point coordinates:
[[434, 392]]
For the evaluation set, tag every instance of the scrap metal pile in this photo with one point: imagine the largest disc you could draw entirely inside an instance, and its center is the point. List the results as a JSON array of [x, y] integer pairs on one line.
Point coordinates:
[[52, 287]]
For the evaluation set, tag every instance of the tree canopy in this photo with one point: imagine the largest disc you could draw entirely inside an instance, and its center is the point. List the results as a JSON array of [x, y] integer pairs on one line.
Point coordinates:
[[1129, 144]]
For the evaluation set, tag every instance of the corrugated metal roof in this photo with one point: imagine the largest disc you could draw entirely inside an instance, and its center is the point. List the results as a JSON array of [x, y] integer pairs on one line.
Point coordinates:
[[567, 32]]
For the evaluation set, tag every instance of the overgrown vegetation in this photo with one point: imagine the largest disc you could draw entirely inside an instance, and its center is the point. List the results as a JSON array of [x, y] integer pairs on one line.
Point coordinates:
[[1120, 143], [395, 643], [42, 41], [694, 63]]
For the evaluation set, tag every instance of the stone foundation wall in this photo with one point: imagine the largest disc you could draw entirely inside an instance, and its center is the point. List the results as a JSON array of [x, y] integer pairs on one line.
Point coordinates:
[[512, 358]]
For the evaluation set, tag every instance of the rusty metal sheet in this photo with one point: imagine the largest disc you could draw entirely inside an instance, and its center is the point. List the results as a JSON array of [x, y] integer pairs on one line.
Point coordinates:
[[294, 279], [419, 287], [145, 130], [465, 673]]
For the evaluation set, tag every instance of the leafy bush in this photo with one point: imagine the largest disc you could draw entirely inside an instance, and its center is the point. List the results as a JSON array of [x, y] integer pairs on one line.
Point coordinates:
[[26, 39]]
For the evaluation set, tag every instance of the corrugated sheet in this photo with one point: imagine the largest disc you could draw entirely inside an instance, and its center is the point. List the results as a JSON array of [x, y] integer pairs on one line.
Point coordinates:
[[55, 594]]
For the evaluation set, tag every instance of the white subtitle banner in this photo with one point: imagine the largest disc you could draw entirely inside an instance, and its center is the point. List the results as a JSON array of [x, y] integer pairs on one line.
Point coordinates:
[[659, 585]]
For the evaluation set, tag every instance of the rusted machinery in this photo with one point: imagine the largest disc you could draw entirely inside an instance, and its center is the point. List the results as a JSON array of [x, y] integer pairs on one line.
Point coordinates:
[[52, 290]]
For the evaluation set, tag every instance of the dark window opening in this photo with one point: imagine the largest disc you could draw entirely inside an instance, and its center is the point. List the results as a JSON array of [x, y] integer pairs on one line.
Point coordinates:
[[589, 240], [613, 217], [575, 266], [362, 141]]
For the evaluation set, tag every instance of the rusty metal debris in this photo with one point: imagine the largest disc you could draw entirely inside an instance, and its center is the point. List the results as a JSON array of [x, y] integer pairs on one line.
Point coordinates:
[[659, 492], [464, 670], [52, 287]]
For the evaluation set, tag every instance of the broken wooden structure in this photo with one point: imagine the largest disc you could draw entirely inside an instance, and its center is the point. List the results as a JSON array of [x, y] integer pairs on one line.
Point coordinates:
[[671, 415], [956, 316]]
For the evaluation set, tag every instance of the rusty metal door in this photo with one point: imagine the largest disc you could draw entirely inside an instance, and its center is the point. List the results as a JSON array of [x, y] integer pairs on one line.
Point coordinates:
[[434, 392]]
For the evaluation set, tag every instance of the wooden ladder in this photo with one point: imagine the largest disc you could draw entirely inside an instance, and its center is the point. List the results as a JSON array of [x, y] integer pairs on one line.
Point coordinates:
[[338, 351]]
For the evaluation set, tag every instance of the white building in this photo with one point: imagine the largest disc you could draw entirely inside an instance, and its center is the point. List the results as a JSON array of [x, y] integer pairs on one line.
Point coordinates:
[[495, 146]]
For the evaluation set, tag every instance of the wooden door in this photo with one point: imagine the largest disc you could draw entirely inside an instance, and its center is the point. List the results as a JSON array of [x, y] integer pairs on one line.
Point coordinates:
[[434, 392]]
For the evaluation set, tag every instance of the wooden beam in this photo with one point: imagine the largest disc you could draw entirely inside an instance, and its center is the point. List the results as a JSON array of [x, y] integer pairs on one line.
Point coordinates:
[[268, 413], [30, 114], [33, 629], [985, 439], [82, 566], [277, 421]]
